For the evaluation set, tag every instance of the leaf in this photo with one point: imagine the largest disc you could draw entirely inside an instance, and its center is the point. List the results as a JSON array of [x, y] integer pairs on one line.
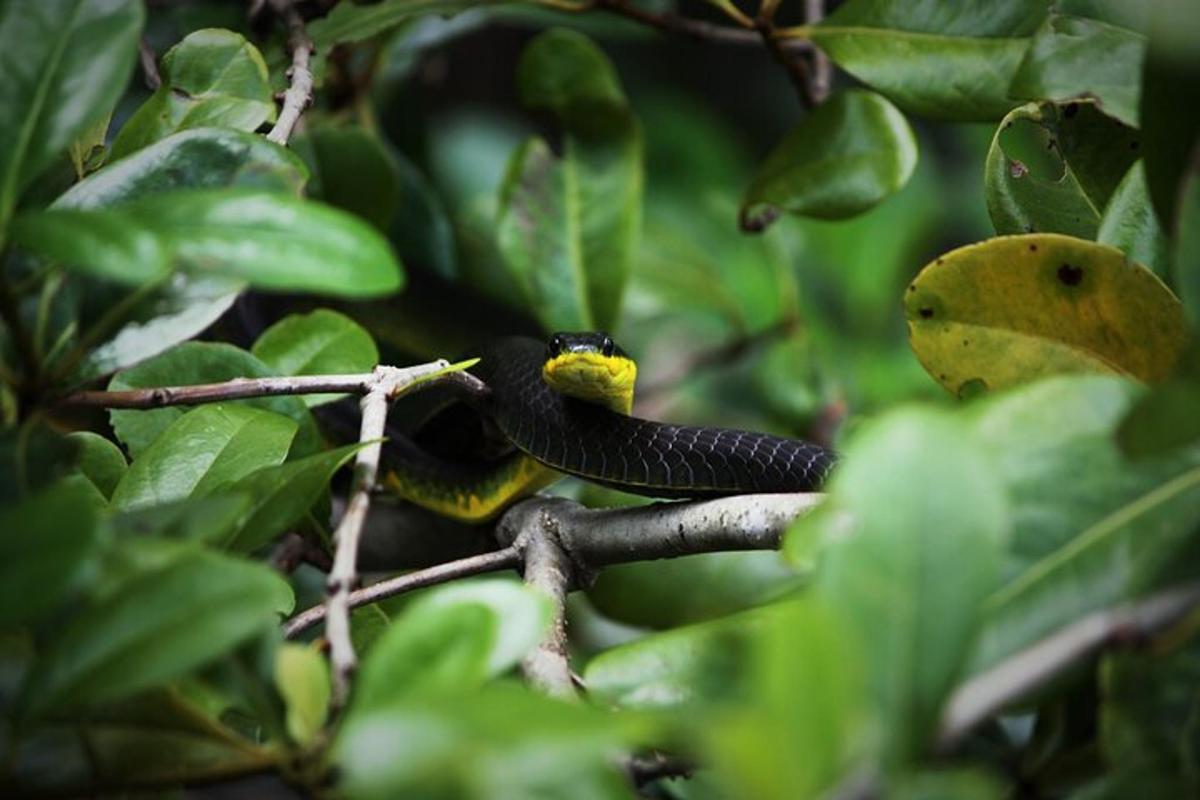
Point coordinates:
[[98, 245], [1122, 556], [681, 591], [1170, 105], [909, 539], [193, 159], [1186, 256], [32, 457], [843, 158], [568, 226], [100, 461], [1129, 224], [281, 496], [213, 78], [48, 542], [191, 363], [1054, 168], [451, 640], [302, 680], [163, 622], [694, 665], [1163, 421], [947, 62], [273, 241], [1014, 308], [178, 309], [65, 64], [322, 342], [351, 22], [351, 170], [1074, 57], [201, 450], [201, 519]]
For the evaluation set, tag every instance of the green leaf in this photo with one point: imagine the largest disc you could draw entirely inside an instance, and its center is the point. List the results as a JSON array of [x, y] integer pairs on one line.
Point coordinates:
[[1185, 257], [909, 539], [322, 342], [48, 542], [1075, 57], [203, 449], [213, 78], [351, 22], [98, 245], [1129, 224], [680, 591], [100, 461], [942, 61], [194, 159], [201, 519], [1170, 105], [273, 241], [32, 457], [200, 362], [351, 170], [451, 640], [65, 64], [1163, 421], [843, 158], [1053, 168], [163, 622], [281, 496], [1014, 308], [302, 680], [568, 226], [1122, 556]]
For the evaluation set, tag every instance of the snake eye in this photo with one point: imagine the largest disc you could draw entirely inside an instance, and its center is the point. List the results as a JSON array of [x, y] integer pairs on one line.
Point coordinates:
[[556, 344], [607, 346]]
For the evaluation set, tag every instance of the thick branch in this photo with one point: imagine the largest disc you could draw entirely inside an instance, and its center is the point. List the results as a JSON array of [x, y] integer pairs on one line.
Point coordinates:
[[548, 569], [299, 94], [1010, 680], [494, 561]]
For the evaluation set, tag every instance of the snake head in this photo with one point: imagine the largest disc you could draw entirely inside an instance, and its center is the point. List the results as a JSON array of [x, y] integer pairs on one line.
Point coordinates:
[[590, 366]]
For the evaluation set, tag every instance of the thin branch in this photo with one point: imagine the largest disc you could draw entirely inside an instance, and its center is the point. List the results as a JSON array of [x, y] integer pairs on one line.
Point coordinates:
[[549, 570], [1015, 677], [822, 71], [299, 94], [698, 30], [792, 62], [494, 561], [389, 384], [149, 63]]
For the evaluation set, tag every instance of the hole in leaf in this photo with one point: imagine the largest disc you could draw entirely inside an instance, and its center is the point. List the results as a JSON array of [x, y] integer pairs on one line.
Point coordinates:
[[926, 313], [1070, 275]]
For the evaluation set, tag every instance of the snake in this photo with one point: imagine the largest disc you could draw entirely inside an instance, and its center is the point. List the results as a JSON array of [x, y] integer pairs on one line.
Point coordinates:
[[562, 406]]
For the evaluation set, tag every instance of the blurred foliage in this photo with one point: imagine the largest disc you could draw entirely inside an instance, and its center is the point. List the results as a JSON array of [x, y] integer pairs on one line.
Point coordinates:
[[1021, 448]]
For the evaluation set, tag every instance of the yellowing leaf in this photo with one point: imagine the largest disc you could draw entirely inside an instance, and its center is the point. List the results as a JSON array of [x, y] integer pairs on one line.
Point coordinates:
[[1010, 309]]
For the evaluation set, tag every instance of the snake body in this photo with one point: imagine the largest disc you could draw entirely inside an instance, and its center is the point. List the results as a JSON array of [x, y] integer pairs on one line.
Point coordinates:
[[567, 435]]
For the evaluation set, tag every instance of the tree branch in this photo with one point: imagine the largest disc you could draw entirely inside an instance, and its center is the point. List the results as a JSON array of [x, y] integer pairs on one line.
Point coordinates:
[[697, 30], [494, 561], [549, 570], [822, 71], [299, 94], [149, 64], [982, 696]]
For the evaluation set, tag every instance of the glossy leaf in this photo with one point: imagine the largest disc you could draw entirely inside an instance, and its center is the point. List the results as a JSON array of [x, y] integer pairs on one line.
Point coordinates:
[[200, 362], [48, 541], [848, 155], [201, 519], [1014, 308], [1053, 169], [1129, 224], [322, 342], [33, 456], [681, 591], [451, 640], [213, 78], [97, 245], [1163, 421], [893, 518], [194, 159], [203, 449], [163, 622], [942, 61], [351, 22], [272, 241], [1122, 556], [568, 225], [302, 680], [351, 170], [100, 461], [1075, 57], [1185, 257], [281, 496], [65, 64]]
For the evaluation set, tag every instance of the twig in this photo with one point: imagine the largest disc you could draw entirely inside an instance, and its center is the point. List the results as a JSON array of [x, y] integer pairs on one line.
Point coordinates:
[[695, 29], [389, 383], [299, 94], [442, 573], [792, 62], [822, 70], [984, 695], [149, 64], [549, 570]]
